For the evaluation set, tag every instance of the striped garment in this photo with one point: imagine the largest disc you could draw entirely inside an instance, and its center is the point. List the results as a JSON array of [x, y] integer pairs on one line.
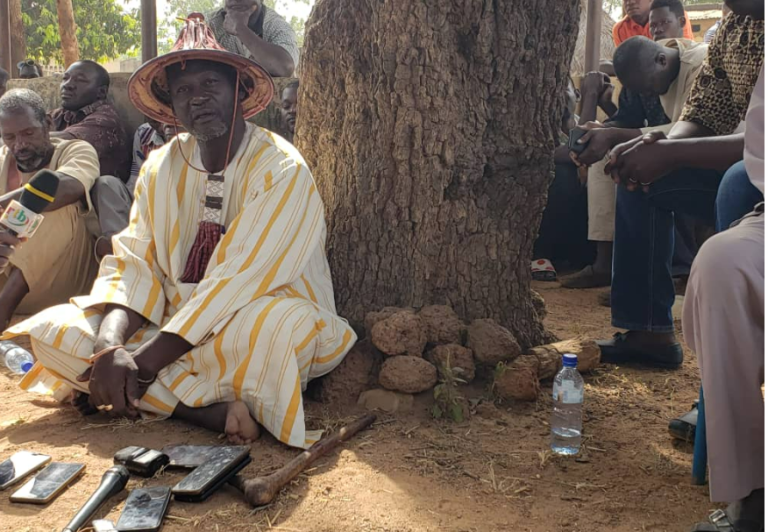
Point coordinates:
[[263, 318]]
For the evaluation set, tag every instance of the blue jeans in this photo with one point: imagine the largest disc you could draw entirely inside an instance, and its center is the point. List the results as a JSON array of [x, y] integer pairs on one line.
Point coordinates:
[[642, 291], [736, 197]]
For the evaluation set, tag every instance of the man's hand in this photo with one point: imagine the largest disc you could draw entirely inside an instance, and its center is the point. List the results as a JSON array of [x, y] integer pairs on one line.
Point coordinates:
[[8, 244], [234, 21], [113, 384], [606, 97], [594, 83], [641, 161], [600, 141]]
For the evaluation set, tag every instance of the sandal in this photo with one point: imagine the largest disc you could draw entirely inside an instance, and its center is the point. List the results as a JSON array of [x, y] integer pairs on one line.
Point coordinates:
[[543, 270], [720, 522]]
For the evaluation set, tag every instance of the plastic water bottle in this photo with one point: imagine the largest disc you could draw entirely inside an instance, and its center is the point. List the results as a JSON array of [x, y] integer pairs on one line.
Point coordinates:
[[18, 359], [568, 395]]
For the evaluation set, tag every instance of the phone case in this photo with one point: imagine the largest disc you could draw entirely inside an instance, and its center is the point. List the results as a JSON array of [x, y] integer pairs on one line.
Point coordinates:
[[144, 510], [207, 475], [211, 489], [141, 461], [19, 466], [189, 456], [575, 134], [48, 484]]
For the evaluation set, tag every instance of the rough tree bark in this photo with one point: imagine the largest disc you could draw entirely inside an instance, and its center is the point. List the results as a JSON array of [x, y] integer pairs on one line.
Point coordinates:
[[429, 126], [67, 33], [18, 42]]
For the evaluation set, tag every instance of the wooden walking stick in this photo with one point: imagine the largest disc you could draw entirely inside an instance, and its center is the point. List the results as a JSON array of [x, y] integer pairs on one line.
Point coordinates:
[[260, 491]]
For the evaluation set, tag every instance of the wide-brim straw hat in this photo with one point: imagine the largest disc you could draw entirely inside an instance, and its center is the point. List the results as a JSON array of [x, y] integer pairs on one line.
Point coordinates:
[[148, 87]]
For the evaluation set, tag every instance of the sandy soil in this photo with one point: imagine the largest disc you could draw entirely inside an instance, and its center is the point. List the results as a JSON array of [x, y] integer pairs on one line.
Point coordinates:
[[411, 473]]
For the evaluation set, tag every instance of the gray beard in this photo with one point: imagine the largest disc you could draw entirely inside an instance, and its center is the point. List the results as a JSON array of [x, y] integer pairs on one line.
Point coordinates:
[[32, 166], [210, 134]]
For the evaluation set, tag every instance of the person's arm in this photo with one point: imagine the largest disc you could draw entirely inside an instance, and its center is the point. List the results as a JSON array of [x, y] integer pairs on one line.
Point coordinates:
[[709, 153], [117, 327], [592, 87], [161, 351], [689, 130], [273, 57], [562, 156]]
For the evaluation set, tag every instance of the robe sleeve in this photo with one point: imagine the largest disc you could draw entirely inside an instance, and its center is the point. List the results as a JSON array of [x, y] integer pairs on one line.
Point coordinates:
[[266, 247], [131, 277]]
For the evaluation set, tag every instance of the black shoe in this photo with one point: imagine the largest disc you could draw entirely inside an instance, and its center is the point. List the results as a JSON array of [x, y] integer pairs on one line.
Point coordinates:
[[684, 427], [618, 351]]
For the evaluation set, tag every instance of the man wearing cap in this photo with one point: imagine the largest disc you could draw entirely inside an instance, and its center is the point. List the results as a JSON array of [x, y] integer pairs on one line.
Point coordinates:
[[251, 29], [217, 306]]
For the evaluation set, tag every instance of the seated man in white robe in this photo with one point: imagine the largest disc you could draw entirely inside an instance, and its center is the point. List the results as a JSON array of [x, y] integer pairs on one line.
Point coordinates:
[[217, 306]]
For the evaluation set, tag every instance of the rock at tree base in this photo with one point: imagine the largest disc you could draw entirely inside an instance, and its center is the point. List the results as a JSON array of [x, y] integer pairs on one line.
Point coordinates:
[[372, 318], [386, 400], [518, 380], [539, 304], [550, 356], [403, 333], [491, 343], [407, 374], [355, 374], [459, 356], [442, 323]]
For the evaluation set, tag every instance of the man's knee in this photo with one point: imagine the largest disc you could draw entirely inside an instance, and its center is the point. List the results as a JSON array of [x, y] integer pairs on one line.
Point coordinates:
[[108, 187], [715, 264]]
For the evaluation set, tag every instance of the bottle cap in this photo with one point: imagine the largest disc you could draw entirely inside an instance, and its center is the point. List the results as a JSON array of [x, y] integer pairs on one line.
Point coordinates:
[[26, 366], [570, 360]]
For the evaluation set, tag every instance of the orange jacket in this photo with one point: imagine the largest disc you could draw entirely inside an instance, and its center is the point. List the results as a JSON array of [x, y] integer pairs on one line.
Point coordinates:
[[626, 28]]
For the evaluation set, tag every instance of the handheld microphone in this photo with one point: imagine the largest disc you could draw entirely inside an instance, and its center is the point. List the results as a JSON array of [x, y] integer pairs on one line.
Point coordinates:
[[22, 218], [112, 483]]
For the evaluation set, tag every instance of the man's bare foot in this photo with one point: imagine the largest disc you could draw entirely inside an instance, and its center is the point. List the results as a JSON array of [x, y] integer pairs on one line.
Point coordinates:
[[233, 419], [240, 427], [81, 402]]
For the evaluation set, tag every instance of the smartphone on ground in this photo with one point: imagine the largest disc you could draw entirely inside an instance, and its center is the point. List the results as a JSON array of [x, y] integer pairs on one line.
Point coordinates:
[[144, 510], [20, 466], [48, 484]]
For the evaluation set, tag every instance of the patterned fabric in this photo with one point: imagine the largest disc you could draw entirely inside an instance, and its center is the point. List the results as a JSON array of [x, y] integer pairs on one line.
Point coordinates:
[[100, 125], [720, 95], [627, 28], [269, 26], [639, 110], [263, 319], [145, 140]]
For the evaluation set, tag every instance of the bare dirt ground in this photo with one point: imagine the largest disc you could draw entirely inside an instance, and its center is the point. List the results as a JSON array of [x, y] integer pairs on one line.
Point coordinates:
[[412, 473]]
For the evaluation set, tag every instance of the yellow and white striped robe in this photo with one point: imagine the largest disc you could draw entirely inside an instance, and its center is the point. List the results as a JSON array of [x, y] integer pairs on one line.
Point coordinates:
[[263, 319]]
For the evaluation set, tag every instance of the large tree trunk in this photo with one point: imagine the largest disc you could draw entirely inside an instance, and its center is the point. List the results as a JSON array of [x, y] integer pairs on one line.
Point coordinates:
[[430, 125], [67, 32], [18, 42]]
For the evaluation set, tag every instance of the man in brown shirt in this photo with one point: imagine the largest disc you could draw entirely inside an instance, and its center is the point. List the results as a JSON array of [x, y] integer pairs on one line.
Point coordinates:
[[85, 114]]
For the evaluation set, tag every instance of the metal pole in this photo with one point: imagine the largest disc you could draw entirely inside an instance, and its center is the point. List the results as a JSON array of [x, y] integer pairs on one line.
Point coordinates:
[[148, 30], [5, 37], [594, 31]]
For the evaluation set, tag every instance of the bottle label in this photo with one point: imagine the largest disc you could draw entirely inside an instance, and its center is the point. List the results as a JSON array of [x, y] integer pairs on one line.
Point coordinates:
[[568, 394]]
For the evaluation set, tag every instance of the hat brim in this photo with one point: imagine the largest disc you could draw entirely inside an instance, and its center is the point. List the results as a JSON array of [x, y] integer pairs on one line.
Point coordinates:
[[148, 86]]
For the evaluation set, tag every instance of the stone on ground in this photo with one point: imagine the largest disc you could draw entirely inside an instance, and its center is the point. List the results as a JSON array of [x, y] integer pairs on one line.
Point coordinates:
[[386, 400], [491, 343], [372, 318], [442, 323], [518, 380], [407, 374], [551, 355], [403, 333], [355, 374], [460, 357]]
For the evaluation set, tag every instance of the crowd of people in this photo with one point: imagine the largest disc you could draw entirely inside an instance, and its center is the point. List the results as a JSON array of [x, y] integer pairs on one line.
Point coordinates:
[[200, 238], [669, 166]]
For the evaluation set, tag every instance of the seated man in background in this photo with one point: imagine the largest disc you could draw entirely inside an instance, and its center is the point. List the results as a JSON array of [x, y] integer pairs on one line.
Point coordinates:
[[662, 175], [637, 22], [57, 262], [253, 30], [563, 229], [724, 324], [241, 287], [288, 107], [85, 114], [636, 110], [148, 137]]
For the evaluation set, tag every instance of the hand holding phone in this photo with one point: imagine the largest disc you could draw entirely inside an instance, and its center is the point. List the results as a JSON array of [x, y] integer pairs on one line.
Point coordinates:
[[573, 140]]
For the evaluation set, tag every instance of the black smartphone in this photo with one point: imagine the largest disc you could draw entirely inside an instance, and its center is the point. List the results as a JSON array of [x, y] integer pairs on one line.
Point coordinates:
[[141, 461], [144, 510], [573, 137], [20, 466], [207, 478], [48, 484], [189, 456]]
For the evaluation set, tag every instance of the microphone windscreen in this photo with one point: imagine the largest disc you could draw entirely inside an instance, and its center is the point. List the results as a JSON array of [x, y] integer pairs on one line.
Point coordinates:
[[40, 191]]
